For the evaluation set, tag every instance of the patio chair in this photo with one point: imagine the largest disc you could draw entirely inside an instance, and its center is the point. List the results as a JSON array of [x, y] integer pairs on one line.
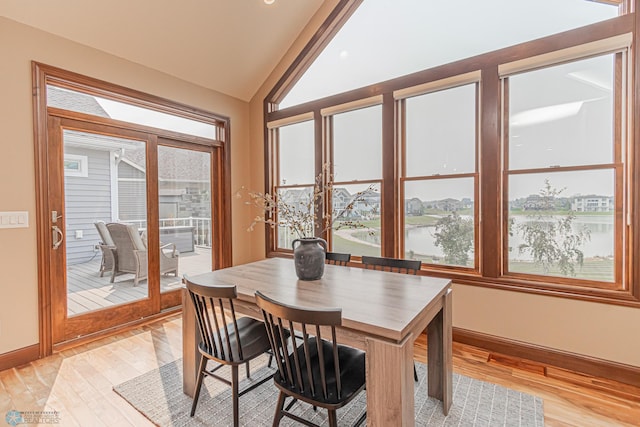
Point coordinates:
[[131, 253], [106, 246]]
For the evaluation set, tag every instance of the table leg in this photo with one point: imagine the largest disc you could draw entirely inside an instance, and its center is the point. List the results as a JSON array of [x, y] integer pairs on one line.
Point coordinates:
[[390, 386], [439, 355], [190, 340]]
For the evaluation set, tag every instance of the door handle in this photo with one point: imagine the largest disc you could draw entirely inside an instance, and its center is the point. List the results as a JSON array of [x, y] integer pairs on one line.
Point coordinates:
[[58, 236]]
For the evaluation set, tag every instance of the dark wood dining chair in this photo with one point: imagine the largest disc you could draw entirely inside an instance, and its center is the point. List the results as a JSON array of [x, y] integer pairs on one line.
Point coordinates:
[[225, 338], [338, 258], [396, 265], [315, 370]]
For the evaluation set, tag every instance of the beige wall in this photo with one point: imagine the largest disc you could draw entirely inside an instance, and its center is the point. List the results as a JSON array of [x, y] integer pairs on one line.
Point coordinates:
[[598, 330], [19, 45]]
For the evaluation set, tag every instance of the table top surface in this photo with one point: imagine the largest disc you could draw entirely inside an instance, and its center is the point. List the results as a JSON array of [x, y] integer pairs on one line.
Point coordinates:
[[374, 302]]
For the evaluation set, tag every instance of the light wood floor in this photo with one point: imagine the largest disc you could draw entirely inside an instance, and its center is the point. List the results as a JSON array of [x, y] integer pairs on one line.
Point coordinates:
[[78, 382]]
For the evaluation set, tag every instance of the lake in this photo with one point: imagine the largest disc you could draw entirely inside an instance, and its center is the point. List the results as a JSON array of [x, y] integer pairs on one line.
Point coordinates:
[[421, 240]]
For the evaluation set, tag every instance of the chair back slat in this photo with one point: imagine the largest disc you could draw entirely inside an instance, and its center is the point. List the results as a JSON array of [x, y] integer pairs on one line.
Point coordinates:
[[396, 265], [216, 324], [307, 358], [323, 373], [287, 361], [336, 364], [276, 346], [200, 316], [235, 327], [225, 327], [297, 363]]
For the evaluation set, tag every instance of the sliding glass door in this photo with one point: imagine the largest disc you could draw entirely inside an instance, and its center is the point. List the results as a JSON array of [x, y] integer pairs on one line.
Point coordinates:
[[130, 214]]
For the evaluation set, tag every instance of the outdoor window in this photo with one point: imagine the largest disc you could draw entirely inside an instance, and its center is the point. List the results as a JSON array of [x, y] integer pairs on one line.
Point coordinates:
[[357, 171], [504, 160], [295, 172], [439, 184], [75, 165], [72, 100], [565, 162]]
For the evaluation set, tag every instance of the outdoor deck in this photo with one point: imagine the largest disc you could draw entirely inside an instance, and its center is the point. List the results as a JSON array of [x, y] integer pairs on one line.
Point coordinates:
[[87, 291]]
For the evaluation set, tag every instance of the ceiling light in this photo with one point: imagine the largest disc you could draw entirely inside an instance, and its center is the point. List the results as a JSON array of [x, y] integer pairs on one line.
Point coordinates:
[[269, 1]]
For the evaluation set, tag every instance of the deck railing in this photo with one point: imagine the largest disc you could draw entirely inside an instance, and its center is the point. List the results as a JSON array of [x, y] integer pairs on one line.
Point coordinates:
[[201, 227]]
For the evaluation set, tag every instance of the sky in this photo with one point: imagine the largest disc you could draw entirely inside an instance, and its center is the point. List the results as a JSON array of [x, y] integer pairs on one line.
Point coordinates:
[[547, 107], [430, 33], [143, 116]]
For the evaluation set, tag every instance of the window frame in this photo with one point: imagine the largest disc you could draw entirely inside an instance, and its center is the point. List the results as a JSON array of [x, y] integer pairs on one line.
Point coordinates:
[[328, 115], [618, 46], [401, 96], [489, 155]]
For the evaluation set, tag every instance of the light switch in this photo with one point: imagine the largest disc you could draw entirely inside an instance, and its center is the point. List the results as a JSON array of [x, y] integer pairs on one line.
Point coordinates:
[[19, 219]]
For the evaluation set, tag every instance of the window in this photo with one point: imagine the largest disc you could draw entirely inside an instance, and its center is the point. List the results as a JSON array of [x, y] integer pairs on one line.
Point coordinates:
[[72, 100], [295, 172], [439, 185], [127, 163], [507, 161], [564, 145], [75, 165], [357, 169]]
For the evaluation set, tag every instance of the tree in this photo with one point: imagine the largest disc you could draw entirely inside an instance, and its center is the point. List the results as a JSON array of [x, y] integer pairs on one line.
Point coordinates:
[[454, 235], [551, 240]]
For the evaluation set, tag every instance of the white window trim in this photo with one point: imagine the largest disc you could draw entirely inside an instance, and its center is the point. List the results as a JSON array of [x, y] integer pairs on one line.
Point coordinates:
[[442, 84], [618, 43], [350, 106], [83, 165], [290, 120]]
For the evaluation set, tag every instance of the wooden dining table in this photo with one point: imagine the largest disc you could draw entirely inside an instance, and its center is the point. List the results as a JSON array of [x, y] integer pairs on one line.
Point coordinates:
[[382, 314]]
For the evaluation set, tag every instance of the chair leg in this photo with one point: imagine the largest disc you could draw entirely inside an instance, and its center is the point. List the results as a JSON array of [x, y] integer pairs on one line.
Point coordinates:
[[248, 370], [279, 407], [196, 392], [333, 420], [362, 418], [234, 395], [415, 372]]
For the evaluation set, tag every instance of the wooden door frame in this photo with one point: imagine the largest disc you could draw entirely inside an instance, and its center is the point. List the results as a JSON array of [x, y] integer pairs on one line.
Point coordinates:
[[63, 327], [43, 74]]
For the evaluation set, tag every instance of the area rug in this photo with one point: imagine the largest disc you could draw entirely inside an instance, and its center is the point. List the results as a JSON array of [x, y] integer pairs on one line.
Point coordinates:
[[158, 396]]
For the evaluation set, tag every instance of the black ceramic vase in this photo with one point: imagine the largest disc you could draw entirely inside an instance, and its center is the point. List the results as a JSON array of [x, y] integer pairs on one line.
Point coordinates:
[[309, 254]]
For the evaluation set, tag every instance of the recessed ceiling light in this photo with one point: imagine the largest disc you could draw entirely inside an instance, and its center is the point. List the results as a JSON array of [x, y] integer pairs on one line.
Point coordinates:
[[269, 1]]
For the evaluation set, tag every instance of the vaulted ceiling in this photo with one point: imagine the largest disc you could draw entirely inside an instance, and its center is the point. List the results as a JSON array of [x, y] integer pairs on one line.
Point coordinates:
[[230, 46]]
